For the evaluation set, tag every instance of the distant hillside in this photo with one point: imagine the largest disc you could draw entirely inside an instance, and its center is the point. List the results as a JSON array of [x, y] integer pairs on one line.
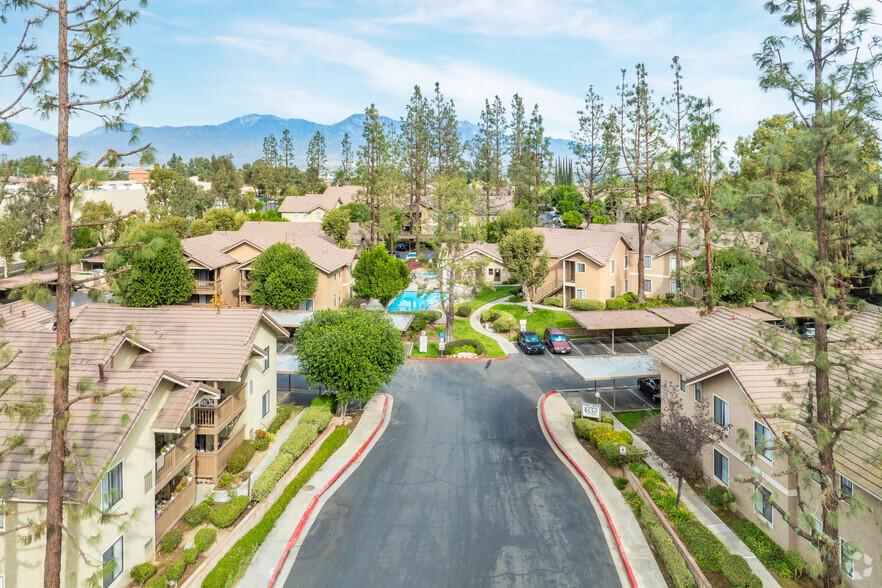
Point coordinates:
[[242, 136]]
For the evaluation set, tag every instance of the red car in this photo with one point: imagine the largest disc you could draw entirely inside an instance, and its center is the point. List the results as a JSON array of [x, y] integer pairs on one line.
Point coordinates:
[[556, 341]]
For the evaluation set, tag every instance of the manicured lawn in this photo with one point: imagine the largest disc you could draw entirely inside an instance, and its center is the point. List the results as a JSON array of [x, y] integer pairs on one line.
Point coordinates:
[[461, 330], [541, 319], [632, 418], [488, 295]]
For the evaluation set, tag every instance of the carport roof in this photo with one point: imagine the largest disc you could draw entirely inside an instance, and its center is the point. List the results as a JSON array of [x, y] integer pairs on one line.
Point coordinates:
[[287, 363], [610, 367], [679, 315], [595, 320]]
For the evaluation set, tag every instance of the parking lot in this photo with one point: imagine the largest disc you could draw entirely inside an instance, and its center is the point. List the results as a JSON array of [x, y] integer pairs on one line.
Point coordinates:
[[623, 345], [625, 396]]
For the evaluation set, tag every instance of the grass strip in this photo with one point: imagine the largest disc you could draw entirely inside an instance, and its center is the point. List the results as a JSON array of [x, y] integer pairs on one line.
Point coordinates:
[[632, 418]]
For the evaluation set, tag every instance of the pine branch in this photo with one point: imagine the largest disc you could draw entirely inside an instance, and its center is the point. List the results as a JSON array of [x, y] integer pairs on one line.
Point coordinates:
[[103, 276], [94, 396], [107, 247], [104, 222], [810, 537], [103, 337]]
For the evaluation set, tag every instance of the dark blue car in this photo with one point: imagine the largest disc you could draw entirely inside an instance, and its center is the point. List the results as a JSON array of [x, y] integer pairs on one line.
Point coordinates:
[[530, 342]]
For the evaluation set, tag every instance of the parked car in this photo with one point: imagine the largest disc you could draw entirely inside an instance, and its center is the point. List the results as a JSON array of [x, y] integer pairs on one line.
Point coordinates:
[[650, 387], [556, 341], [401, 247], [411, 255], [530, 342], [808, 329]]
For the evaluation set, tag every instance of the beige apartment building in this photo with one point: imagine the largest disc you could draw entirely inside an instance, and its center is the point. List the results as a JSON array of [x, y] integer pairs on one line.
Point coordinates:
[[311, 208], [221, 261], [494, 271], [713, 365], [198, 382]]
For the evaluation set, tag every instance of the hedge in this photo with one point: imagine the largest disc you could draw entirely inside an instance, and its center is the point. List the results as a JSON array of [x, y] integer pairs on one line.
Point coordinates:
[[479, 348], [704, 546], [176, 570], [225, 514], [271, 476], [490, 315], [317, 416], [585, 426], [616, 303], [553, 301], [503, 324], [299, 440], [157, 582], [667, 549], [620, 437], [171, 540], [738, 573], [240, 457], [190, 554], [327, 400], [464, 310], [787, 563], [720, 497], [610, 452], [233, 564], [581, 304], [283, 413], [141, 572], [204, 538]]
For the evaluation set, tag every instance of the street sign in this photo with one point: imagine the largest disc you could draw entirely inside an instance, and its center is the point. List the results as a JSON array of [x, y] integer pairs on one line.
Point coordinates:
[[523, 324], [590, 411], [442, 336], [623, 450], [424, 343], [441, 345]]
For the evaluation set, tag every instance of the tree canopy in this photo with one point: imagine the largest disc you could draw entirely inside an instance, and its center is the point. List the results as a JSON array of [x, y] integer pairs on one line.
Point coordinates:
[[336, 224], [379, 275], [218, 219], [524, 255], [283, 277]]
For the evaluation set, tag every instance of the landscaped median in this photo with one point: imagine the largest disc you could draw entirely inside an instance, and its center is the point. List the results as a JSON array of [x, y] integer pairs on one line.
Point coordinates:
[[462, 330]]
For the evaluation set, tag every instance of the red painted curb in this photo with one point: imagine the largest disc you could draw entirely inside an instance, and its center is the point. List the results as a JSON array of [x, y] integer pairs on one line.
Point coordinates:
[[456, 358], [314, 502], [585, 477]]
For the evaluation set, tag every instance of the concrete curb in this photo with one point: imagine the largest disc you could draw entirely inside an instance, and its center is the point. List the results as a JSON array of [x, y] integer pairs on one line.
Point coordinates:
[[636, 565], [457, 358]]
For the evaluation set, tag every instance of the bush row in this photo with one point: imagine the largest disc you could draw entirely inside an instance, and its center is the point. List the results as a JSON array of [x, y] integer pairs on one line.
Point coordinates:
[[423, 318], [317, 416], [271, 476], [553, 301], [476, 345], [608, 441], [224, 514], [143, 572], [585, 304], [328, 400], [667, 549], [240, 456], [283, 413], [787, 563], [234, 563], [720, 497]]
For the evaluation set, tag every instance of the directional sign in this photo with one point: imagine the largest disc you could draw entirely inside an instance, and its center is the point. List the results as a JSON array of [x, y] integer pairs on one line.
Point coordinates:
[[424, 343], [523, 324]]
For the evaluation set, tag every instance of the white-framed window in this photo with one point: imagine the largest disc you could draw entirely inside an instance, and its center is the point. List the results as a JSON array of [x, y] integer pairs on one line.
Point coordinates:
[[265, 404], [846, 557], [763, 503], [580, 268], [612, 291], [306, 304], [647, 285], [673, 287], [319, 215], [846, 486], [673, 263], [612, 266], [721, 412], [626, 261], [112, 487], [148, 482], [721, 467], [266, 360], [816, 524], [626, 282], [647, 261], [697, 388], [113, 554], [581, 294], [489, 271], [762, 440], [682, 383]]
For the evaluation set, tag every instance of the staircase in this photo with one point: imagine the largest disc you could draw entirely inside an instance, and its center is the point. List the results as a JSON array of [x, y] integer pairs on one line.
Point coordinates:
[[547, 290]]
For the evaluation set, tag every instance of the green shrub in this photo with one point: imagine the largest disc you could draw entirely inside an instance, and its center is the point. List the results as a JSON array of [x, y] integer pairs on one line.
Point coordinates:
[[196, 515], [261, 444], [585, 426], [283, 413], [240, 457], [787, 563], [234, 563], [667, 502], [611, 436], [317, 416], [461, 349], [464, 310], [580, 304], [600, 429], [326, 400], [141, 572], [738, 573], [704, 546], [490, 315], [615, 304], [224, 479], [157, 582], [503, 324], [417, 325], [175, 571], [610, 452], [299, 440], [170, 541], [640, 469], [476, 345], [607, 420], [667, 549], [225, 514], [720, 497], [629, 297], [190, 554], [204, 538], [632, 497], [271, 476], [553, 301], [620, 483], [515, 298], [424, 316]]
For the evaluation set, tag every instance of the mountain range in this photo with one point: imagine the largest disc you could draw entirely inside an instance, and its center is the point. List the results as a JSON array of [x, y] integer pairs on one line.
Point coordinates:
[[242, 137]]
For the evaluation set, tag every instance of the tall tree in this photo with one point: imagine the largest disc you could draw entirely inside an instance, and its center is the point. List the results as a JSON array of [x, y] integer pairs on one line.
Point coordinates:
[[488, 149], [287, 158], [375, 168], [445, 135], [415, 152], [534, 162], [680, 188], [271, 150], [346, 164], [316, 161], [642, 146], [517, 130], [226, 182], [595, 147], [525, 257]]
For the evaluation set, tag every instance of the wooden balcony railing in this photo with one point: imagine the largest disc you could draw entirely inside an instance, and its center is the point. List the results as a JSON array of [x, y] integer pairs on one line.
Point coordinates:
[[212, 420], [210, 464], [207, 286], [172, 513], [245, 286], [169, 464]]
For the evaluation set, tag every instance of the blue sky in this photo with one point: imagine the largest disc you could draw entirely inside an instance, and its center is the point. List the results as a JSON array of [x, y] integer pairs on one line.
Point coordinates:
[[213, 60]]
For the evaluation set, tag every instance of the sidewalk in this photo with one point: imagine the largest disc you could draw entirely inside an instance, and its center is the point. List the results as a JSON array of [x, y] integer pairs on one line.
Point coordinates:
[[475, 322], [704, 514], [268, 556], [630, 536]]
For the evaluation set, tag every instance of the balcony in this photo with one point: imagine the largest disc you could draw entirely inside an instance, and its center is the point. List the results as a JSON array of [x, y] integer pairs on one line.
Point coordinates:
[[211, 420], [209, 464], [245, 287], [171, 462], [173, 511], [207, 287]]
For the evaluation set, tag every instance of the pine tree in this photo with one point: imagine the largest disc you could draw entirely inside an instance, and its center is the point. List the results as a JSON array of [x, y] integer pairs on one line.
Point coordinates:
[[488, 149], [534, 164], [415, 154], [347, 159], [287, 156], [375, 169], [445, 135], [517, 129]]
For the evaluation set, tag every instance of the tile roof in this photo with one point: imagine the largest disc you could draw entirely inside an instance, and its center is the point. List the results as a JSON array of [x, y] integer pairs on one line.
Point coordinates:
[[21, 315], [332, 197], [491, 250], [176, 407], [597, 246]]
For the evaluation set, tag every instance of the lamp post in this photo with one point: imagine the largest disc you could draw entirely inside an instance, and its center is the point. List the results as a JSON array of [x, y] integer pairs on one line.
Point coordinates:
[[509, 326], [249, 469]]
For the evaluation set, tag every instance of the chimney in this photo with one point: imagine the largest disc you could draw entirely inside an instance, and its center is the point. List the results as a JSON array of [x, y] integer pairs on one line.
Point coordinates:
[[733, 314], [101, 372], [22, 313]]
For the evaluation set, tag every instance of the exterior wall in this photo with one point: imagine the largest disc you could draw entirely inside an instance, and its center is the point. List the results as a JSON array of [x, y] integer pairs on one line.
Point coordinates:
[[305, 217], [493, 265], [332, 289], [264, 381], [659, 273]]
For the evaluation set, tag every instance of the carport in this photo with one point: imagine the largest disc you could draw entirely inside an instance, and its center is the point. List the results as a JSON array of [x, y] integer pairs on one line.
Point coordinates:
[[614, 367], [617, 320]]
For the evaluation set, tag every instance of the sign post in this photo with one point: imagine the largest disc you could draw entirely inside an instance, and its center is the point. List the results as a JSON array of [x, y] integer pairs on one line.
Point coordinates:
[[523, 324], [590, 411], [424, 343]]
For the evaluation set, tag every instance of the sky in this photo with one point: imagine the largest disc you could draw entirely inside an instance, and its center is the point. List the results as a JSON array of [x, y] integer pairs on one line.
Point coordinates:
[[214, 60]]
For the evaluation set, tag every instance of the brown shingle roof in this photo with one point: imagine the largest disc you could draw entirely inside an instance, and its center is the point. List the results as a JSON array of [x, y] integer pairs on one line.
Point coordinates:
[[491, 250], [178, 404], [597, 246], [328, 200], [21, 315]]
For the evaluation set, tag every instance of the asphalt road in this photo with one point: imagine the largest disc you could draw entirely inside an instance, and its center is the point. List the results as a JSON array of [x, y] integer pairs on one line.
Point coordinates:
[[461, 490]]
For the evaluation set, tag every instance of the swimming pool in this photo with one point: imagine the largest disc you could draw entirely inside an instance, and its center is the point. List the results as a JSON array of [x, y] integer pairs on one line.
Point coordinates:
[[413, 300]]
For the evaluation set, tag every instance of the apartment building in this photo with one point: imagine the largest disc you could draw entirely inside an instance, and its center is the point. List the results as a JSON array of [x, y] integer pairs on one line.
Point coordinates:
[[196, 383], [494, 271], [714, 365], [221, 261], [313, 207]]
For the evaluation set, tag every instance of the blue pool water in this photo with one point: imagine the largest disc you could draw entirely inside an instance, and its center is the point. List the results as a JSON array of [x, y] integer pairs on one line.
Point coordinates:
[[413, 300]]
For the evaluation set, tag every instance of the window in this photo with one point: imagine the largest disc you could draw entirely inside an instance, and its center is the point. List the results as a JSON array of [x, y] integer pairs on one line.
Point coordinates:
[[306, 305], [647, 261], [319, 215], [115, 555], [612, 291], [489, 271], [612, 266], [682, 383], [264, 403], [626, 282], [673, 287], [762, 439], [580, 268], [112, 487], [721, 467], [764, 503], [626, 261], [266, 359], [581, 294], [846, 486], [721, 412], [846, 556], [697, 391], [647, 285], [673, 264], [816, 524]]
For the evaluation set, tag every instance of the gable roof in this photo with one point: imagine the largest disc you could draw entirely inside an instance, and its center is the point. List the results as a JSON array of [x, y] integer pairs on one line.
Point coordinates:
[[596, 246], [331, 198], [490, 250], [176, 407], [22, 315]]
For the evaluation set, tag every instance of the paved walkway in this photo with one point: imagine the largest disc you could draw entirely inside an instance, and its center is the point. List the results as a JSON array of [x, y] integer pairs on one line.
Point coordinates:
[[705, 515], [475, 322], [637, 550]]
